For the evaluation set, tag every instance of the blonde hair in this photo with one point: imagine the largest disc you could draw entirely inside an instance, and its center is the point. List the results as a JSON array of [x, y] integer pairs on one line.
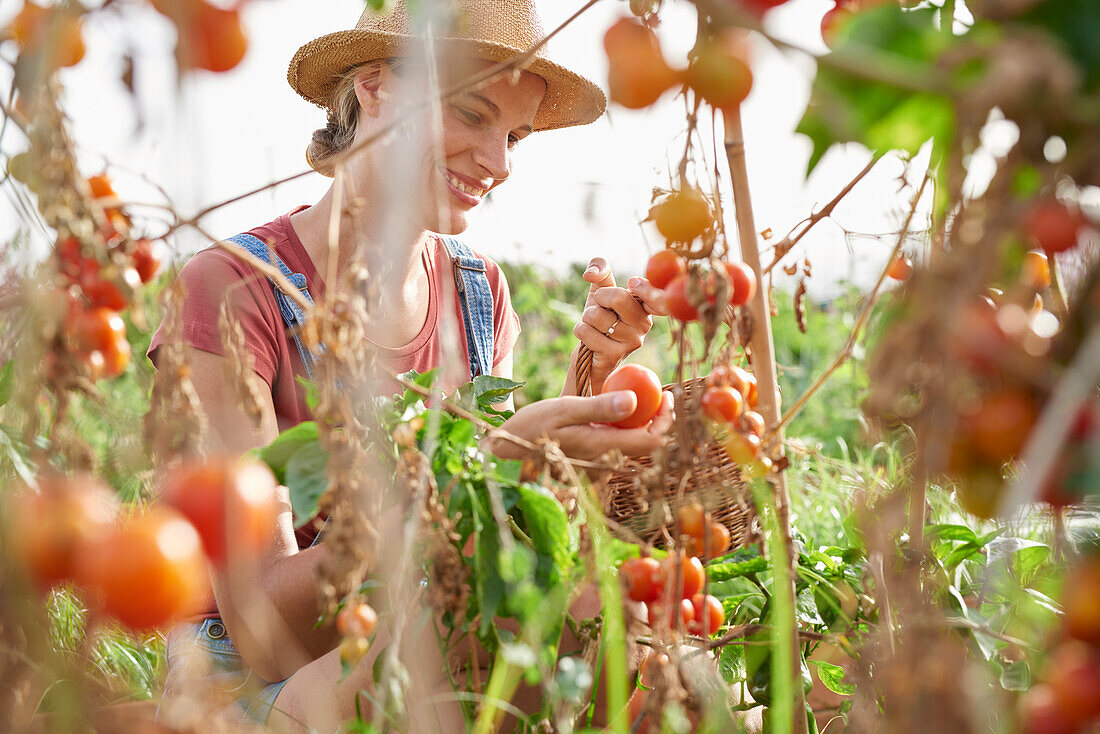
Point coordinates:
[[336, 136]]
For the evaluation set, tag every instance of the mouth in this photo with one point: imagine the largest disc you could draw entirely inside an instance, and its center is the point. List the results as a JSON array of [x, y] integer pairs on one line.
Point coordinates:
[[471, 195]]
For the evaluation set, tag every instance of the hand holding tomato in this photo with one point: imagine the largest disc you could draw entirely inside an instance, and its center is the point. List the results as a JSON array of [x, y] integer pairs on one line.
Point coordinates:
[[580, 426], [614, 323]]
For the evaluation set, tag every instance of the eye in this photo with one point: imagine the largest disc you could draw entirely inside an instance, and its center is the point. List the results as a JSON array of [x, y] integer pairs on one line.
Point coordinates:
[[471, 117], [513, 140]]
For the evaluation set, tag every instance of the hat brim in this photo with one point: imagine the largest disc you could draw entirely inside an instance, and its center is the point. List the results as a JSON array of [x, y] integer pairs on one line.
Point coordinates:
[[570, 98]]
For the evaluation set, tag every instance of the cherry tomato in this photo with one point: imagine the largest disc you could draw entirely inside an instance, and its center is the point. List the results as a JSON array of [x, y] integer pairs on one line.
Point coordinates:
[[637, 73], [146, 259], [1002, 423], [692, 574], [99, 338], [722, 404], [641, 381], [101, 187], [231, 503], [718, 70], [663, 267], [901, 268], [1052, 225], [149, 572], [692, 519], [1041, 712], [1036, 272], [1073, 672], [743, 448], [1081, 601], [212, 38], [683, 215], [742, 282], [679, 307], [51, 527], [752, 422], [356, 619], [718, 538], [708, 615], [642, 578]]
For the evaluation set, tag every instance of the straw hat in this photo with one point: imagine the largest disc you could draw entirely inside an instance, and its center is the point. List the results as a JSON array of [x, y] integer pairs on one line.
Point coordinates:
[[495, 30]]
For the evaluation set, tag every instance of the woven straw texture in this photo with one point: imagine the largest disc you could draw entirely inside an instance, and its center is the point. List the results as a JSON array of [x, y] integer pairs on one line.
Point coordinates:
[[494, 30], [712, 479]]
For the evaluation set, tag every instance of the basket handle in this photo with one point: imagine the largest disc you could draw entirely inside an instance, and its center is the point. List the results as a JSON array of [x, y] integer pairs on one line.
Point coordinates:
[[584, 370]]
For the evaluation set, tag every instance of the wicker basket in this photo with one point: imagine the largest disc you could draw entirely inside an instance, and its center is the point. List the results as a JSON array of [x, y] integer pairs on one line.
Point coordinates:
[[708, 476]]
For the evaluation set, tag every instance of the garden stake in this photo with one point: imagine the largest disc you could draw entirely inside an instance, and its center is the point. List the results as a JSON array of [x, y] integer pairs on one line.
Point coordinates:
[[763, 362]]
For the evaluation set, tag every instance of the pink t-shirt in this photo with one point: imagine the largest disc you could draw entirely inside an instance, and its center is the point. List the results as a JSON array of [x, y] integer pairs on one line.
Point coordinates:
[[213, 274]]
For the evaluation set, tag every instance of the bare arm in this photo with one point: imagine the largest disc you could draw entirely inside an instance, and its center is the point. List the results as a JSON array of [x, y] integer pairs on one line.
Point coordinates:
[[270, 607]]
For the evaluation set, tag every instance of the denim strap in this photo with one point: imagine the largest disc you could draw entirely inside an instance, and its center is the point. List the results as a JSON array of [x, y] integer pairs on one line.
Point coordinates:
[[293, 316], [476, 299]]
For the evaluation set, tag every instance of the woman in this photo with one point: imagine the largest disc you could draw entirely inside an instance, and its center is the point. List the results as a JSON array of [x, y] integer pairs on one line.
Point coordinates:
[[360, 77]]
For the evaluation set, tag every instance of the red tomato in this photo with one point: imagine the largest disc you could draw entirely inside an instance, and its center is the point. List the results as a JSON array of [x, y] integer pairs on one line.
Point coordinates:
[[1041, 712], [708, 615], [50, 528], [231, 503], [641, 381], [149, 572], [678, 305], [692, 519], [663, 267], [901, 268], [1052, 225], [356, 619], [1081, 601], [101, 291], [146, 258], [1073, 672], [692, 574], [742, 283], [97, 329], [641, 578], [722, 404]]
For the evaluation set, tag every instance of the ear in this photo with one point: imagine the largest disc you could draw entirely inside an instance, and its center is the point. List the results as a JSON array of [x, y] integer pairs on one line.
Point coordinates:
[[368, 88]]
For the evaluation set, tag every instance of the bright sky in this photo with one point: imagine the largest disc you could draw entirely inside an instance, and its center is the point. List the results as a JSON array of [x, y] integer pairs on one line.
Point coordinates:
[[573, 194]]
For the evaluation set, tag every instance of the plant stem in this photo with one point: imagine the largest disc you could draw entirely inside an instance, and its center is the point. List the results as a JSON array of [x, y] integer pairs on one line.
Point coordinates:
[[763, 362]]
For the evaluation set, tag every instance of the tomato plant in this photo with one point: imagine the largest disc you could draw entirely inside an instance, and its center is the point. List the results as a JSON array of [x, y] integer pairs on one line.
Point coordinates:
[[645, 385]]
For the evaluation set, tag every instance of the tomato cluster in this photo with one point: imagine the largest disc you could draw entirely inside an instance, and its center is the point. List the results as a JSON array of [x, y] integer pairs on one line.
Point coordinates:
[[645, 579], [686, 292], [638, 74], [1066, 699], [728, 401], [54, 34], [146, 570], [98, 278]]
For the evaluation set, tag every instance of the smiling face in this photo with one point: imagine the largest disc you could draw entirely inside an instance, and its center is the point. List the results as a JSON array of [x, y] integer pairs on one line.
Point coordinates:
[[481, 130]]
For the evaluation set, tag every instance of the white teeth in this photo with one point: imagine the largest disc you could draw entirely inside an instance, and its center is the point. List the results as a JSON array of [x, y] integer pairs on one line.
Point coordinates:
[[477, 193]]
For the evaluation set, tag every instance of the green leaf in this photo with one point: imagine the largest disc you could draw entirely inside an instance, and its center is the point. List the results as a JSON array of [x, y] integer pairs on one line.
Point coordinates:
[[1016, 676], [832, 676], [488, 390], [546, 523], [951, 532], [313, 392], [307, 480], [286, 444], [7, 381]]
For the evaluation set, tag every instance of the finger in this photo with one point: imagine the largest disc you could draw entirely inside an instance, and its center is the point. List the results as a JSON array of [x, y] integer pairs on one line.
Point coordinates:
[[580, 411], [599, 275], [653, 299], [601, 319], [625, 305], [599, 342]]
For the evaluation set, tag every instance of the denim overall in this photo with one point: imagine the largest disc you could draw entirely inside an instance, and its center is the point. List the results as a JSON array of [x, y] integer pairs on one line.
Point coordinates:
[[225, 669]]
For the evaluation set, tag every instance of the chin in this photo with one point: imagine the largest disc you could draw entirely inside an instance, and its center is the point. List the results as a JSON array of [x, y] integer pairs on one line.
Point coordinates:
[[457, 224]]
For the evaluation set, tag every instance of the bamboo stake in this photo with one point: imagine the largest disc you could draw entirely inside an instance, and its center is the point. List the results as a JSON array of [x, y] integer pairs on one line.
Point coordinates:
[[763, 362]]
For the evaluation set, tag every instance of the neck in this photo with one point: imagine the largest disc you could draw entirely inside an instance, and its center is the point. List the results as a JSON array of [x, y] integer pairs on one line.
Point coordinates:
[[358, 240]]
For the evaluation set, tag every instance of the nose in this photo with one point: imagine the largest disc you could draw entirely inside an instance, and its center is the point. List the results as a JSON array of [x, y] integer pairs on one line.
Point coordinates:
[[493, 156]]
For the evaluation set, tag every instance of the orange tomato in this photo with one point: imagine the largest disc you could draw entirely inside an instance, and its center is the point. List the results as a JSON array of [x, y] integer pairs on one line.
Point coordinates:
[[753, 422], [692, 519], [683, 215], [743, 448], [1002, 423], [663, 267], [742, 282], [637, 72], [722, 404], [644, 383], [708, 615], [356, 619], [901, 268], [50, 527], [210, 37], [101, 187], [57, 33], [232, 504], [691, 574], [149, 572], [1036, 272]]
